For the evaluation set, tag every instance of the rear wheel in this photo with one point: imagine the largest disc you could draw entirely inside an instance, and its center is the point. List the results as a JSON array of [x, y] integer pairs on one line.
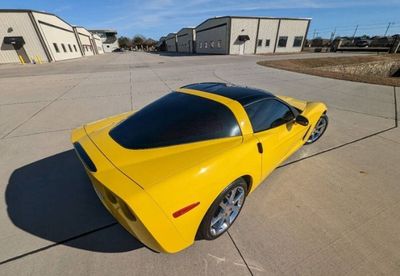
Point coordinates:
[[319, 129], [224, 210]]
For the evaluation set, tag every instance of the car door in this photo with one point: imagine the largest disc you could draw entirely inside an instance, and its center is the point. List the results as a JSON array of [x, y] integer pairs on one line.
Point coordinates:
[[277, 133]]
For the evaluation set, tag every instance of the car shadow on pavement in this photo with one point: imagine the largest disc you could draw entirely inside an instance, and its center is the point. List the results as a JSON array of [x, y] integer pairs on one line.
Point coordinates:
[[53, 199]]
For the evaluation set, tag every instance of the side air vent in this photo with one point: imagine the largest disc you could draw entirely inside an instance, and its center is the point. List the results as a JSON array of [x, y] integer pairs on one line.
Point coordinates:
[[84, 157]]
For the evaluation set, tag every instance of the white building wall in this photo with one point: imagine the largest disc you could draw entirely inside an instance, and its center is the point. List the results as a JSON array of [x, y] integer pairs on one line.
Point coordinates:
[[86, 41], [21, 25], [243, 26], [291, 28], [267, 31], [56, 31], [98, 44], [212, 36]]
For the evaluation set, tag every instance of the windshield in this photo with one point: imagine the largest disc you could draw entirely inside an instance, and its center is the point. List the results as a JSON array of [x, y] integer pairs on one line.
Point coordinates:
[[174, 119]]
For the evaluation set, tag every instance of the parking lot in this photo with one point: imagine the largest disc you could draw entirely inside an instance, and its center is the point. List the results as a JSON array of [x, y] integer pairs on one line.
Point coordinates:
[[333, 208]]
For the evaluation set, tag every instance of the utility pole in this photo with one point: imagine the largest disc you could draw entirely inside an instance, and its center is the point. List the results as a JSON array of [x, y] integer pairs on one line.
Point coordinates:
[[387, 29], [333, 34], [355, 31]]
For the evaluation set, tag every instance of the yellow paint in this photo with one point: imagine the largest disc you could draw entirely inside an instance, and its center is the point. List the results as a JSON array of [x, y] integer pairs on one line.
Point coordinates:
[[155, 183], [21, 59]]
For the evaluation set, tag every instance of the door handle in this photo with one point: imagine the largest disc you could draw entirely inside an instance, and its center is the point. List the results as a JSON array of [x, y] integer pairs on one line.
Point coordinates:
[[260, 147]]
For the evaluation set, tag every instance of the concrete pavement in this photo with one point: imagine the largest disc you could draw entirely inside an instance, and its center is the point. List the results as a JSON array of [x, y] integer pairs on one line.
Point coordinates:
[[332, 208]]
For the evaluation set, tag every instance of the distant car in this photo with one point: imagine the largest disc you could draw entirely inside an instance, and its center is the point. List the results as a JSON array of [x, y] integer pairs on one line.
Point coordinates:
[[118, 50], [362, 43], [183, 166]]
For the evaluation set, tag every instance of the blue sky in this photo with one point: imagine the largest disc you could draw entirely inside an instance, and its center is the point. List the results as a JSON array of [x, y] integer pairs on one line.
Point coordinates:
[[154, 18]]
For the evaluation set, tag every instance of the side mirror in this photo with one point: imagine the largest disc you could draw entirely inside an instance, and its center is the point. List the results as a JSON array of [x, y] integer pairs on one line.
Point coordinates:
[[301, 120]]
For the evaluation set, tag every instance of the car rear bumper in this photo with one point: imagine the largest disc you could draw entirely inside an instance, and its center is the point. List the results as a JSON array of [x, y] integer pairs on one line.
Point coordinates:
[[133, 208]]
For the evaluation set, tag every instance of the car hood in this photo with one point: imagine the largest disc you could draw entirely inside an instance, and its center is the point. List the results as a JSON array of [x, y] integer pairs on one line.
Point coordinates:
[[148, 167]]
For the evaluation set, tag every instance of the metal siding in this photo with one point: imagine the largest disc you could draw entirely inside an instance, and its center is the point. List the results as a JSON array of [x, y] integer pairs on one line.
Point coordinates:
[[183, 37], [22, 26], [291, 28], [267, 30], [57, 35], [214, 34], [99, 43], [249, 27], [84, 37]]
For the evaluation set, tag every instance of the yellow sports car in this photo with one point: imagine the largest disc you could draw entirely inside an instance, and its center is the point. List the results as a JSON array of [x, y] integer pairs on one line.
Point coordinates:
[[182, 167]]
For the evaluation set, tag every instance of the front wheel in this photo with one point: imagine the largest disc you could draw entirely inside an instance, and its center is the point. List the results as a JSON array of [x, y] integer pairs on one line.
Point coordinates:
[[224, 210], [319, 129]]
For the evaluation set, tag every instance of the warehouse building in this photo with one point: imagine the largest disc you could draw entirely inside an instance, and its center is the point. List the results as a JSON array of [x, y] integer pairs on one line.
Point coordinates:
[[251, 35], [29, 36], [108, 38], [98, 44], [186, 39], [170, 42], [85, 40]]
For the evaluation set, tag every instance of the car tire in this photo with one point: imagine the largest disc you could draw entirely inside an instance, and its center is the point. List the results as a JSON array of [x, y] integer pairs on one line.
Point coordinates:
[[223, 211], [318, 130]]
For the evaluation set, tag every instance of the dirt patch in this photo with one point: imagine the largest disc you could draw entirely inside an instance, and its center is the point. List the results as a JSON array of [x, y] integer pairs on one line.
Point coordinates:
[[382, 69]]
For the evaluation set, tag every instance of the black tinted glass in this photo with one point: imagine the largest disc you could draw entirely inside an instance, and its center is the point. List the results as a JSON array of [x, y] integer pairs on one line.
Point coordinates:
[[268, 114], [176, 118]]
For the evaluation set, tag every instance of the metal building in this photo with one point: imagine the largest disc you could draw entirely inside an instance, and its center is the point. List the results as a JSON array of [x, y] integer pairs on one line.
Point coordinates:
[[29, 36], [251, 35], [108, 38], [85, 40], [98, 44], [186, 39], [170, 42]]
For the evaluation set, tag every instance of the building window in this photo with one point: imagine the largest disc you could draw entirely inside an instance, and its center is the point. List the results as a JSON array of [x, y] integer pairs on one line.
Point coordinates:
[[75, 48], [63, 46], [259, 43], [267, 41], [205, 44], [56, 47], [282, 41], [212, 44], [70, 48], [219, 42], [298, 40], [200, 44]]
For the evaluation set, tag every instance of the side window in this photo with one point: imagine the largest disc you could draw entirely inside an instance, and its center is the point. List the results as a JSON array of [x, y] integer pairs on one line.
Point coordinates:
[[259, 43], [297, 41], [267, 41], [268, 114], [63, 46], [56, 47], [282, 41]]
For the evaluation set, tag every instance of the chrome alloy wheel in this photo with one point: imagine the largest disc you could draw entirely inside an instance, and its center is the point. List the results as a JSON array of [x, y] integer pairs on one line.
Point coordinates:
[[227, 211], [318, 130]]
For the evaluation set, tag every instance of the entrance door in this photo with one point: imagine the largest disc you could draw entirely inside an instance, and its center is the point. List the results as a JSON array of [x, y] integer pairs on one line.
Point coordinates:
[[241, 48], [22, 53]]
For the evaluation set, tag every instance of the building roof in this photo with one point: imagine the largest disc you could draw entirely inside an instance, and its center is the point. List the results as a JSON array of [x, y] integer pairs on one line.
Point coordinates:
[[251, 17], [244, 95], [27, 10], [103, 31]]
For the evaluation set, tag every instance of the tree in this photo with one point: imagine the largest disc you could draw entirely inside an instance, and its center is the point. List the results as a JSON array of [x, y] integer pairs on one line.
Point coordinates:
[[124, 42], [138, 41]]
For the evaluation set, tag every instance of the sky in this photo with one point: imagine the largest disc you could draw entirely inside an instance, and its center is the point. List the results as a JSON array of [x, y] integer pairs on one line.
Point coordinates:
[[155, 18]]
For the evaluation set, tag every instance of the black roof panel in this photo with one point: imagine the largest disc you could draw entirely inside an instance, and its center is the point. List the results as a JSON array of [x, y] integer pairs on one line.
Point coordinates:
[[244, 95]]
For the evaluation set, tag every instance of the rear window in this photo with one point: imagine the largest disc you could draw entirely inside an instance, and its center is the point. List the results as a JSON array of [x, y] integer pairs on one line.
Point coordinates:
[[174, 119]]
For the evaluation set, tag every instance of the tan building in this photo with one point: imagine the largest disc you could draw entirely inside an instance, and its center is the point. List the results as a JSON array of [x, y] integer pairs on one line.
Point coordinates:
[[251, 35], [29, 36]]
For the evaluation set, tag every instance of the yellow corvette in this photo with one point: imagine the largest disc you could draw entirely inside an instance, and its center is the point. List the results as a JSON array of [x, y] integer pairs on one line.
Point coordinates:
[[181, 167]]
